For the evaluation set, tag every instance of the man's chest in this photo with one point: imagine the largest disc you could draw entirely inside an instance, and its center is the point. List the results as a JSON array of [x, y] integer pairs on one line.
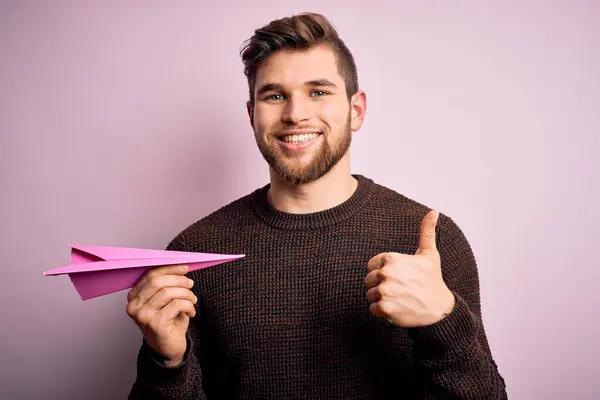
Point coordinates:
[[294, 292]]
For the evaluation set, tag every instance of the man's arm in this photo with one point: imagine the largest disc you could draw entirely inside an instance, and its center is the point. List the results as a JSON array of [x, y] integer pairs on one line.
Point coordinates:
[[155, 380], [453, 355]]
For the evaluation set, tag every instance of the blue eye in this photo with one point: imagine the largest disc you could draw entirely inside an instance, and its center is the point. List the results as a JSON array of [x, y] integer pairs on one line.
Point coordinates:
[[275, 97]]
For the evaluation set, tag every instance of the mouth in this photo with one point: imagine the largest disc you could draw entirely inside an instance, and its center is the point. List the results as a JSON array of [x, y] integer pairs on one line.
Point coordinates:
[[293, 142], [298, 137]]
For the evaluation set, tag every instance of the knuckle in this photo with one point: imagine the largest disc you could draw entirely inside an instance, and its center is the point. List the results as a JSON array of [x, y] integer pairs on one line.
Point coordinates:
[[385, 273], [152, 273], [384, 307], [130, 310], [143, 318], [389, 258], [147, 277], [176, 303], [154, 282], [383, 291], [163, 293], [383, 261]]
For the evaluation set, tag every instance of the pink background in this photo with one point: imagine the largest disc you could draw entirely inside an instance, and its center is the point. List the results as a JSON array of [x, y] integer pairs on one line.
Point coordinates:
[[117, 120]]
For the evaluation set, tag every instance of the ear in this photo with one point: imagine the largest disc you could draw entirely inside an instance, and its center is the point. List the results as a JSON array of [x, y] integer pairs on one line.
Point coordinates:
[[358, 109], [250, 109]]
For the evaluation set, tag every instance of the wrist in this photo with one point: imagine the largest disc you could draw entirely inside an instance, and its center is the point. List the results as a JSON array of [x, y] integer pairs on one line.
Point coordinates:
[[172, 363], [444, 308], [449, 304]]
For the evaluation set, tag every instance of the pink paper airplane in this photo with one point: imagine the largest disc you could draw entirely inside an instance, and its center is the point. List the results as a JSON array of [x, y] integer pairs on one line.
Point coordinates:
[[99, 270]]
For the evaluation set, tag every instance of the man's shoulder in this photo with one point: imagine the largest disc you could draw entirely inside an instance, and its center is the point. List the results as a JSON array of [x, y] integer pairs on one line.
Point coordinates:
[[396, 203], [397, 206]]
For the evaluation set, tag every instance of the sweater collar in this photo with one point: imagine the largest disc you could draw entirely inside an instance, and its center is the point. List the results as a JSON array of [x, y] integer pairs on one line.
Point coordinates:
[[282, 220]]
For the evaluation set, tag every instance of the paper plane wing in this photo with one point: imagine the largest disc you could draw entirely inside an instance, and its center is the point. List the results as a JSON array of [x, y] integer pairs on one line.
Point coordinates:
[[100, 270]]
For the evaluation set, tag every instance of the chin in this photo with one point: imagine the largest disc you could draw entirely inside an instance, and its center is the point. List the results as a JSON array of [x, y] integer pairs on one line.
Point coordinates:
[[301, 175]]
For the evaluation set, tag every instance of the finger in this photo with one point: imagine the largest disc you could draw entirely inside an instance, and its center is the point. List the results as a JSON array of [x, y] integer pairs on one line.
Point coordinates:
[[427, 233], [165, 295], [373, 279], [387, 273], [380, 309], [384, 291], [154, 298], [379, 261], [154, 284], [374, 294], [163, 270], [176, 307]]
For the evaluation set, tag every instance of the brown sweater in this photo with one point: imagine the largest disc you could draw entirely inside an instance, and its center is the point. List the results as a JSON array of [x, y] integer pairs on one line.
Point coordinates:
[[291, 320]]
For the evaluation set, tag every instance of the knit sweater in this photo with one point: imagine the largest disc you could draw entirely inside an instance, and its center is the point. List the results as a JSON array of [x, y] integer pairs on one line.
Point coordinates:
[[291, 319]]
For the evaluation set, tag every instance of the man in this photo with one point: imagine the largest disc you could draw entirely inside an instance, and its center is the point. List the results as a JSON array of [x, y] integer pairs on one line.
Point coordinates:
[[348, 290]]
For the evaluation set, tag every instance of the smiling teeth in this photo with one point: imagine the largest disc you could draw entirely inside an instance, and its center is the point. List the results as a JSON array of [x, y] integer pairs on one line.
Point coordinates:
[[299, 138]]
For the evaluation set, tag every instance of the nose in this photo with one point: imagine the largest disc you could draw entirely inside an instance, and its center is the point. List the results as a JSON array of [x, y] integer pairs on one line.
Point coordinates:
[[296, 110]]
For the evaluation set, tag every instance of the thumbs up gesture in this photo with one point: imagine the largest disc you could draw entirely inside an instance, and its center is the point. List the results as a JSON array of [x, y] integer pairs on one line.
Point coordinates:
[[408, 290]]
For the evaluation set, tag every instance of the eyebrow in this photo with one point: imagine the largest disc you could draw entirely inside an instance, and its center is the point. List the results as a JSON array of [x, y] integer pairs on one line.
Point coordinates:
[[268, 87]]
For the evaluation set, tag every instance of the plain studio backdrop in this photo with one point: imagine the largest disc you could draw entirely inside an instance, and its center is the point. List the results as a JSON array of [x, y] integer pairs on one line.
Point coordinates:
[[123, 122]]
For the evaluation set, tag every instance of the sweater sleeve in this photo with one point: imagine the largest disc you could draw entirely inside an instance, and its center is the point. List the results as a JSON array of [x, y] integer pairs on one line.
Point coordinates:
[[453, 356], [154, 380]]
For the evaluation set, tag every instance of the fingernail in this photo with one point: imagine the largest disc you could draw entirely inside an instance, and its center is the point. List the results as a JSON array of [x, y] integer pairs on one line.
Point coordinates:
[[185, 267], [191, 282]]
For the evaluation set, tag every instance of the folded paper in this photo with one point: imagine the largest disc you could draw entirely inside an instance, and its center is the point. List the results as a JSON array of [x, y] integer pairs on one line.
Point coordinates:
[[99, 270]]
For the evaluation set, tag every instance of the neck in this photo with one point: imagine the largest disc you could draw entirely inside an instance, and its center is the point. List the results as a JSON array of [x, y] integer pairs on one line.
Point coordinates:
[[330, 190]]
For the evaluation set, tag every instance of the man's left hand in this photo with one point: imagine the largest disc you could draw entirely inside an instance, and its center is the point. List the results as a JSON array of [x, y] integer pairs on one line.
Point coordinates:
[[408, 290]]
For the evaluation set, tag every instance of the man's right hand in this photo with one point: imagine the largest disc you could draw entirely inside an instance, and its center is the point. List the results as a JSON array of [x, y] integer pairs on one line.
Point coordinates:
[[161, 304]]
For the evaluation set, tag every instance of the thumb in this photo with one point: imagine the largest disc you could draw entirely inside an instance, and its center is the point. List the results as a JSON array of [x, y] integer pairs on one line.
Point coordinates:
[[427, 233]]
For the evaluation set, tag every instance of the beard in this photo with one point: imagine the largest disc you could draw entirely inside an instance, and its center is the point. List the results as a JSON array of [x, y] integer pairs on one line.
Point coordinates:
[[325, 157]]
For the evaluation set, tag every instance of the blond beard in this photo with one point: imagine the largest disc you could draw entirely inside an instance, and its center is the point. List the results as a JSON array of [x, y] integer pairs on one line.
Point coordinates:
[[326, 157]]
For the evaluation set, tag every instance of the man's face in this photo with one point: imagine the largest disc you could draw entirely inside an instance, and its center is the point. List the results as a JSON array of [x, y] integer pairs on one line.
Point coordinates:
[[301, 116]]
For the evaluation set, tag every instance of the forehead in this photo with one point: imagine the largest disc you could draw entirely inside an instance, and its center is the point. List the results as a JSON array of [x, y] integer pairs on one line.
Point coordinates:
[[295, 67]]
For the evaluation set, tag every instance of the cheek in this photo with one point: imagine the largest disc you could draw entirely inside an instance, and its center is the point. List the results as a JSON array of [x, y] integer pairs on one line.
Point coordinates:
[[265, 119], [334, 114]]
